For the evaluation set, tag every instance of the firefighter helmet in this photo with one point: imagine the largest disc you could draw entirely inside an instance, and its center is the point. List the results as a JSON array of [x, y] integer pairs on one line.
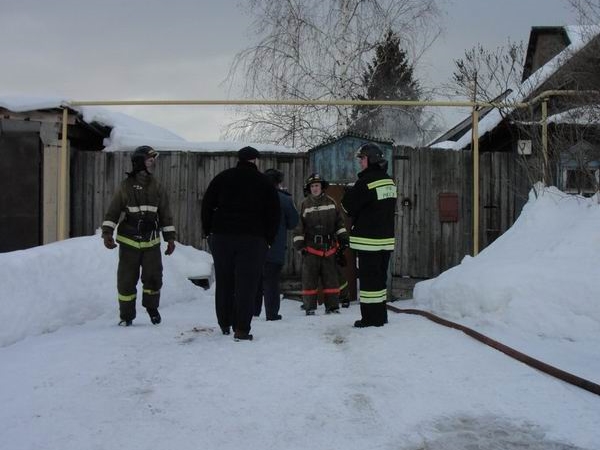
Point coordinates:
[[372, 152], [139, 156], [315, 178]]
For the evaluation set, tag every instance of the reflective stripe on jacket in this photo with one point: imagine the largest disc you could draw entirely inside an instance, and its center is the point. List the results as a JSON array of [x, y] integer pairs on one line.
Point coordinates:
[[321, 224], [139, 210], [371, 204]]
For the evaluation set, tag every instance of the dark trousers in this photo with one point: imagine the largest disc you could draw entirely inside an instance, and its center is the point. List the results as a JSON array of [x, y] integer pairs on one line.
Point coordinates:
[[128, 274], [238, 264], [372, 274], [269, 290]]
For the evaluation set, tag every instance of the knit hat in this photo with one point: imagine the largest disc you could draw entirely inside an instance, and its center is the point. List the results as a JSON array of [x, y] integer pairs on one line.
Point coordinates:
[[248, 153]]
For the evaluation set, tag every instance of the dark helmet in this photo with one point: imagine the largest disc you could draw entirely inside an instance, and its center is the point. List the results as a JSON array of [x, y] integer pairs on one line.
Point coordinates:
[[275, 176], [315, 178], [139, 156], [372, 152]]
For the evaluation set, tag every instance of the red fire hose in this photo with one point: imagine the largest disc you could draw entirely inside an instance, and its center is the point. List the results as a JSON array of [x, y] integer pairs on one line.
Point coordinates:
[[535, 363]]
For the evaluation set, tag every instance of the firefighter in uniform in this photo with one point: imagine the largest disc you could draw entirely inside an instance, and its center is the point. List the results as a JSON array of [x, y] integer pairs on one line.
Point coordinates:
[[371, 203], [319, 235], [146, 211]]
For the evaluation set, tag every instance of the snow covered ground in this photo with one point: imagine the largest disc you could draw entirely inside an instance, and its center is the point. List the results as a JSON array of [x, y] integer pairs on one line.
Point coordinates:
[[70, 378]]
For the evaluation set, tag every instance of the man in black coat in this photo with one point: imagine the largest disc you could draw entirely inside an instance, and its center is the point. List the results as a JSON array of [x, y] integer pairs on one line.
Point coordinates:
[[240, 217]]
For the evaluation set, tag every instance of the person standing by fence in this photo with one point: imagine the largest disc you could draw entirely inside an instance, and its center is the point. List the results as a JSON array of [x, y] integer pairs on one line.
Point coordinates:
[[319, 235], [371, 205], [276, 254], [145, 206], [240, 218]]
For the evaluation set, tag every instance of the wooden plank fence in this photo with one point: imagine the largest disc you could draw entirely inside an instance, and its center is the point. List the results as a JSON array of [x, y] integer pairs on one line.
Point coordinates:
[[185, 175], [426, 245]]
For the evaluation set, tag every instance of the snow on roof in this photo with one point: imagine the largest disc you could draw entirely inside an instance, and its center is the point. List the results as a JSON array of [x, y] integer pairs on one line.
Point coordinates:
[[579, 37], [577, 116], [127, 132], [444, 145]]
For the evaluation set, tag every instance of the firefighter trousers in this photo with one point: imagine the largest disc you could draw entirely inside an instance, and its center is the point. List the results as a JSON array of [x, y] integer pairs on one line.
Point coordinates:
[[131, 260], [372, 275], [315, 267]]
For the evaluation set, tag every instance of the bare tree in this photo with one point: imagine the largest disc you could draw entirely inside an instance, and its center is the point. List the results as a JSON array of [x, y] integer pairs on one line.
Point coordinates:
[[317, 49], [485, 75], [588, 11]]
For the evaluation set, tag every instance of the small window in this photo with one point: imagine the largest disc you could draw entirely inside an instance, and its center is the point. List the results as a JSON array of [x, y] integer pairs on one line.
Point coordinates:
[[580, 181]]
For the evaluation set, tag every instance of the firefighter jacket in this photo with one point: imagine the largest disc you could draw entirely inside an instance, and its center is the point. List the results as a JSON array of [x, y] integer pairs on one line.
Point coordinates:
[[146, 211], [321, 226], [371, 204]]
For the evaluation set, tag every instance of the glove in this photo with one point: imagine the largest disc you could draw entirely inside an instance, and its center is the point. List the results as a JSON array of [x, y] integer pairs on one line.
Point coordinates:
[[109, 242], [170, 247], [340, 258], [344, 244]]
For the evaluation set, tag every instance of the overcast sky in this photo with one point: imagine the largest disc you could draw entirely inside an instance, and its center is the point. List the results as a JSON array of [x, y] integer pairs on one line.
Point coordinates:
[[182, 49]]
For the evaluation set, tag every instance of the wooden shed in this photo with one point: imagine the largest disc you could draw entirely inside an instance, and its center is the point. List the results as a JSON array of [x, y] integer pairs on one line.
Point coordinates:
[[336, 160], [30, 172]]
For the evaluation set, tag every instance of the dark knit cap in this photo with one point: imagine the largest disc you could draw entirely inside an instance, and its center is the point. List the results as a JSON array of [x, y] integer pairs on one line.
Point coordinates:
[[248, 153]]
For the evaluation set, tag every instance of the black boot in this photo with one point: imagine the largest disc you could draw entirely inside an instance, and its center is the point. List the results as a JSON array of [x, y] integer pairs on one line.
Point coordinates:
[[242, 336], [154, 315]]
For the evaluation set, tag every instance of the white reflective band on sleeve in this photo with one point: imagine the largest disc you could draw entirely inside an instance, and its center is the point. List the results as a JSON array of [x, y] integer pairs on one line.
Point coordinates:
[[298, 238], [168, 228], [340, 231], [108, 223]]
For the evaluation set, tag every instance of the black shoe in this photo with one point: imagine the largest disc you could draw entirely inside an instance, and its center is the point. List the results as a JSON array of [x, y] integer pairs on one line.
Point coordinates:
[[359, 324], [242, 336], [332, 311], [125, 323], [275, 317], [302, 306], [225, 331], [345, 304], [310, 312], [154, 315]]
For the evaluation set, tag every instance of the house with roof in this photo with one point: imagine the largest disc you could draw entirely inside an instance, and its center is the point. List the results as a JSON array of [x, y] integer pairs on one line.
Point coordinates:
[[555, 138]]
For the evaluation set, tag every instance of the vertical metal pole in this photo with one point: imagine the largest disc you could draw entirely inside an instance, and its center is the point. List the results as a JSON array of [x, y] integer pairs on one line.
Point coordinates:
[[545, 140], [63, 180], [475, 152]]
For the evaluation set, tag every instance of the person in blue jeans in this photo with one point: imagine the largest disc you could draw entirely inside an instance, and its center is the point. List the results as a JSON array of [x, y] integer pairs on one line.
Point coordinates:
[[276, 254]]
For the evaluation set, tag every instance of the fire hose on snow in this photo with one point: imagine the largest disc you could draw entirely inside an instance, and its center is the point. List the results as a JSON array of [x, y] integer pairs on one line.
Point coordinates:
[[532, 362]]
